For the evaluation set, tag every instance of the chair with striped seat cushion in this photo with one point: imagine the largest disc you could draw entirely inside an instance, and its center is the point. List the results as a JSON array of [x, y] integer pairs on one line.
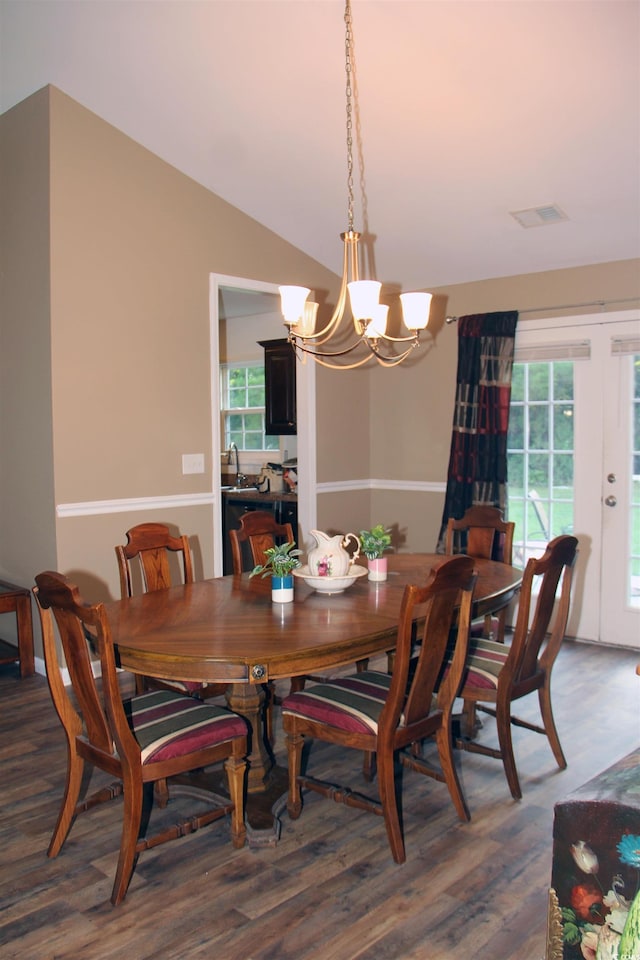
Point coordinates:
[[145, 563], [483, 533], [140, 741], [498, 674], [390, 715]]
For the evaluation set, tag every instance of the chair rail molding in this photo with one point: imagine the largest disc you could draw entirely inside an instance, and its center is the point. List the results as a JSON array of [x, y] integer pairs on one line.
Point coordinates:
[[407, 486], [97, 507]]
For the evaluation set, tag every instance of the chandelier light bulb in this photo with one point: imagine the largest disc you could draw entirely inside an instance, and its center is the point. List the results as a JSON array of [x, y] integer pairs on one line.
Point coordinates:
[[293, 302], [377, 325], [364, 297], [307, 325], [415, 309]]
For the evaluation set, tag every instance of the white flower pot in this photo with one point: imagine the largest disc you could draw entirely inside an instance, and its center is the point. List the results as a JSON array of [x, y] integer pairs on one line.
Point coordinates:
[[378, 569], [282, 589]]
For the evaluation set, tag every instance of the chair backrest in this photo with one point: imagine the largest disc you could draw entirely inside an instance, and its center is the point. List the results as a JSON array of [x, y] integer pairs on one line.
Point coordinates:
[[151, 544], [536, 646], [258, 531], [481, 532], [100, 717], [445, 603]]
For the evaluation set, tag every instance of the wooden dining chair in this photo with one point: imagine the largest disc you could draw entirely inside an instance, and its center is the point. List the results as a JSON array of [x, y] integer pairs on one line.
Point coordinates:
[[140, 741], [390, 715], [145, 563], [498, 674], [258, 531], [483, 533]]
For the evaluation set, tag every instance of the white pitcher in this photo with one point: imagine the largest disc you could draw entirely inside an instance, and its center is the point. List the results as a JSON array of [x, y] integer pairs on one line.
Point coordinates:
[[329, 558]]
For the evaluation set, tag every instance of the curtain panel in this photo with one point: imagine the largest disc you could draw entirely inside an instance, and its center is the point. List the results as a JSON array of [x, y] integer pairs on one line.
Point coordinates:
[[477, 471]]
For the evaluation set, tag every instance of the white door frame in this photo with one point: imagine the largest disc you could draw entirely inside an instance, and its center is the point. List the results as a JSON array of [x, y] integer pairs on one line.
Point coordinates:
[[306, 415]]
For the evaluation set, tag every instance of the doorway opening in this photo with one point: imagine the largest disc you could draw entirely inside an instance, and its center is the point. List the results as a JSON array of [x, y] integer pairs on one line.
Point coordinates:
[[243, 312]]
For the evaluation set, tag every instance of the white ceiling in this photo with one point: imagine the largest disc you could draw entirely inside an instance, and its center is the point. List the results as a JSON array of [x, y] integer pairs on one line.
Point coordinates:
[[468, 109]]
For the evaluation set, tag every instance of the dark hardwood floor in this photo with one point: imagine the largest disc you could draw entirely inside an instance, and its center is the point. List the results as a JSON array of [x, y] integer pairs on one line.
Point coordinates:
[[330, 888]]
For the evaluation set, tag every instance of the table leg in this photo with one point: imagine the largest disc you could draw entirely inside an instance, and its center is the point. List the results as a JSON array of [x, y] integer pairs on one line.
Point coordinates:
[[267, 783], [247, 699]]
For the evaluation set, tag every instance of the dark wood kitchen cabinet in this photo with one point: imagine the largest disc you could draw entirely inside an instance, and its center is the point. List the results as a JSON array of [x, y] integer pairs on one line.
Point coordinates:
[[280, 387]]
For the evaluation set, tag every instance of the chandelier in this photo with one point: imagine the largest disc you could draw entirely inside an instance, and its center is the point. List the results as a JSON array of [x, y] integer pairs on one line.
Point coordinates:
[[369, 338]]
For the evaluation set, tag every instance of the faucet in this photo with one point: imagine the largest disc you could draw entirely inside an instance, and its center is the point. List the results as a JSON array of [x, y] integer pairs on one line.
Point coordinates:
[[240, 477]]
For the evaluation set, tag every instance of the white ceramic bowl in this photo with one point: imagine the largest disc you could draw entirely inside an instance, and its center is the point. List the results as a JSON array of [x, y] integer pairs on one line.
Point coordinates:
[[330, 584]]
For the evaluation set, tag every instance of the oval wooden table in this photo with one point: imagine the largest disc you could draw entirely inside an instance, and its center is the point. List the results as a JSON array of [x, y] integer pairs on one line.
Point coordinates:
[[228, 630]]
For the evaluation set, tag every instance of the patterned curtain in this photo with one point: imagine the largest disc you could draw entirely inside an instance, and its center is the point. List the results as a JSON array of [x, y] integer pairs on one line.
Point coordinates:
[[478, 460]]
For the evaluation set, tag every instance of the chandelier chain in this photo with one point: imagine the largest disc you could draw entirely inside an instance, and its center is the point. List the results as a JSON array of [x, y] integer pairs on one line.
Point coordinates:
[[348, 49], [369, 336]]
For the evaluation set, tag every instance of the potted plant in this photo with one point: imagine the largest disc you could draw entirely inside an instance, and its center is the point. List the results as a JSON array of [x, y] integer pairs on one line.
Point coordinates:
[[373, 544], [280, 560]]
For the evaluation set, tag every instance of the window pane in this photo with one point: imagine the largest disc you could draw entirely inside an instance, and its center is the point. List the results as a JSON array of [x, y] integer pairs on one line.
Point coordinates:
[[563, 427], [517, 383], [539, 427], [237, 377], [539, 473], [253, 421], [562, 380], [563, 475], [255, 376], [538, 376], [515, 439], [252, 441], [255, 396], [516, 474]]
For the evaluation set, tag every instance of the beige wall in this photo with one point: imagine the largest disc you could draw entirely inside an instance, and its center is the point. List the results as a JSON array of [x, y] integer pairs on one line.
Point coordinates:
[[27, 517], [107, 408], [106, 412], [410, 407]]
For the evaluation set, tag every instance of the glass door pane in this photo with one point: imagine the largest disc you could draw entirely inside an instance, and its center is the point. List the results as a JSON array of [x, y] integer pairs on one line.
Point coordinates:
[[541, 454]]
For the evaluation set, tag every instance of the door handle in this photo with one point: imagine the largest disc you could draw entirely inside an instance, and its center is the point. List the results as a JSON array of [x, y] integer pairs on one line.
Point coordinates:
[[610, 501]]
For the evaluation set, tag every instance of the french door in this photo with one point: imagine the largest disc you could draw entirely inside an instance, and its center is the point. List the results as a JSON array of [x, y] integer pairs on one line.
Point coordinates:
[[574, 461]]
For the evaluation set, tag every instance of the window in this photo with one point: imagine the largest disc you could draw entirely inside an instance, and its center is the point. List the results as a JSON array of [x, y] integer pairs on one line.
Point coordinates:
[[242, 407], [541, 453]]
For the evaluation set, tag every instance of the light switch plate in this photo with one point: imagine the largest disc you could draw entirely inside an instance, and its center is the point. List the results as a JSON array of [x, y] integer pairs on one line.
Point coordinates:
[[193, 462]]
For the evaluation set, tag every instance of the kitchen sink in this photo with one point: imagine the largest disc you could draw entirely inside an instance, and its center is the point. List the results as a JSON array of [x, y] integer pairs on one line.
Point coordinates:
[[237, 489]]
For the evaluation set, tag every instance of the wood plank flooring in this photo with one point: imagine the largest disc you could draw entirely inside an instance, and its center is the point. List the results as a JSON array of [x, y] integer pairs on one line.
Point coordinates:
[[330, 888]]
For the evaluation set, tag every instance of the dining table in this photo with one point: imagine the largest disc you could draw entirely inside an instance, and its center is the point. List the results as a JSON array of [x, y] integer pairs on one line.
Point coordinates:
[[228, 630]]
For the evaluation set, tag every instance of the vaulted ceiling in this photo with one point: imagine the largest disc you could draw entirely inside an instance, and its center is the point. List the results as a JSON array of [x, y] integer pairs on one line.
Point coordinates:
[[467, 111]]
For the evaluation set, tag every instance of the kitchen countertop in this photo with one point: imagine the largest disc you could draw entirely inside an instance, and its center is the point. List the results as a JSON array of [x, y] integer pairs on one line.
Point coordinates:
[[250, 494]]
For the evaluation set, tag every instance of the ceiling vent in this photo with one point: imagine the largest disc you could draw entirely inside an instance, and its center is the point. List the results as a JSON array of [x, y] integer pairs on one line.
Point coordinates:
[[539, 216]]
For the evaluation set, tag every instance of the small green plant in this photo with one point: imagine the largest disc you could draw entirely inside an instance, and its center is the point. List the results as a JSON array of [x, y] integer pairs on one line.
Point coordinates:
[[375, 541], [281, 560]]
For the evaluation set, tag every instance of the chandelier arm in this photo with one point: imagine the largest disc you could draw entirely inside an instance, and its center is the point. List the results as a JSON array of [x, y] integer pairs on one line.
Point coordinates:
[[349, 263], [386, 336], [324, 359], [299, 344], [392, 362]]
